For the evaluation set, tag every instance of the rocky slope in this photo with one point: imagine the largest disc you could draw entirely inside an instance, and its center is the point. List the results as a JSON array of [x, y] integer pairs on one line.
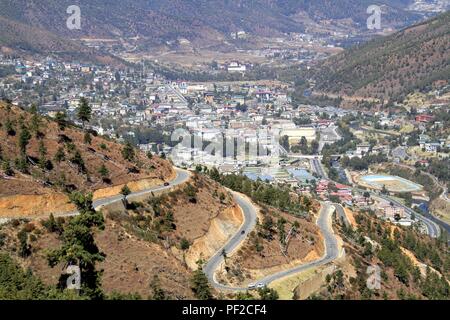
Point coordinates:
[[410, 265], [160, 237]]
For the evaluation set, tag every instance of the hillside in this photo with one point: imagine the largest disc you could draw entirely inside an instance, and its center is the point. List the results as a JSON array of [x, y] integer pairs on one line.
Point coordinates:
[[390, 68], [261, 253], [42, 162], [203, 22], [20, 38], [412, 266], [148, 246], [353, 11]]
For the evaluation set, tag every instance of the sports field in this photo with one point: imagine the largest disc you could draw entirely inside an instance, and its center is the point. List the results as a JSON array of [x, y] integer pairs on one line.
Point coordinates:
[[392, 183]]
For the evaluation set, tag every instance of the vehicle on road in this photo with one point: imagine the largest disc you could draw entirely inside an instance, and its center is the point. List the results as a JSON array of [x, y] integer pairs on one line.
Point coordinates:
[[260, 285], [166, 184], [243, 232], [251, 286]]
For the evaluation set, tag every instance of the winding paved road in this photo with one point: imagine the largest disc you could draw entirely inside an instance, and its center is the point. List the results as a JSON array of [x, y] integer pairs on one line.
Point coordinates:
[[250, 218], [181, 177], [324, 223], [432, 227], [430, 222], [443, 196]]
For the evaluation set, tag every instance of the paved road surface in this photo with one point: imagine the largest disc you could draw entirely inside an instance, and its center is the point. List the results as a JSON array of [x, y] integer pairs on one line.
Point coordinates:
[[248, 225], [328, 135], [302, 156], [317, 167], [443, 196], [432, 227], [430, 222], [181, 177], [324, 222]]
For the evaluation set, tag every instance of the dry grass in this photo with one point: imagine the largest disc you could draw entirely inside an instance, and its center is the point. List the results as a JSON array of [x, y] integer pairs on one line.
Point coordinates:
[[441, 209], [65, 174], [286, 286], [248, 264], [132, 262]]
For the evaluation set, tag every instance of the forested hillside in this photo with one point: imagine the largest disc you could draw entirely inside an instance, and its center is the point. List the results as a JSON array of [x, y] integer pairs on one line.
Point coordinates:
[[155, 22], [391, 67]]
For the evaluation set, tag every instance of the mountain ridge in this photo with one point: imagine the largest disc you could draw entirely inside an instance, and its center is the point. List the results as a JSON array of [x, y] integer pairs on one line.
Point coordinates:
[[391, 67], [159, 21]]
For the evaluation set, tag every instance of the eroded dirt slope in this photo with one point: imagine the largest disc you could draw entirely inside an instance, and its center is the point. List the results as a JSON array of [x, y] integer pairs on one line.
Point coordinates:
[[30, 181]]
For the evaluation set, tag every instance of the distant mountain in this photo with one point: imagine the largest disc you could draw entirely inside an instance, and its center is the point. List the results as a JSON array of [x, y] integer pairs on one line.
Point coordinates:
[[158, 21], [393, 66], [394, 11], [22, 38]]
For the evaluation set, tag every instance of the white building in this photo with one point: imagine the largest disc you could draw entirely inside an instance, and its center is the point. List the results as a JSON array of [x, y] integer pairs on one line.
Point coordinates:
[[236, 67]]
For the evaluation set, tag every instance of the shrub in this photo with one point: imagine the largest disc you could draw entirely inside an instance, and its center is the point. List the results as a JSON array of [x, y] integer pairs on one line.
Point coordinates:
[[29, 227], [6, 167], [184, 244], [128, 152]]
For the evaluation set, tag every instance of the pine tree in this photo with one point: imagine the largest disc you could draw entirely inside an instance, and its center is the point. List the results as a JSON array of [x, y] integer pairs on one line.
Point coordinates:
[[6, 167], [87, 138], [184, 244], [21, 164], [42, 155], [157, 292], [61, 120], [104, 172], [36, 122], [24, 139], [50, 224], [200, 284], [24, 247], [78, 160], [128, 152], [9, 128], [268, 294], [84, 111], [60, 155], [214, 174], [79, 247], [125, 191]]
